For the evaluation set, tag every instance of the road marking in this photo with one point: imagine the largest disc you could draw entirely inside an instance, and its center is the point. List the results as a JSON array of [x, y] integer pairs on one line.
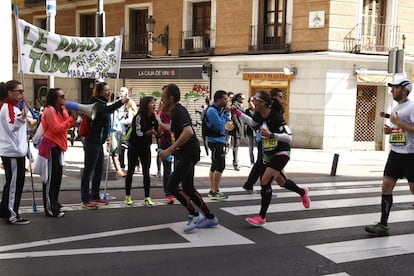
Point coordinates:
[[315, 205], [217, 236], [364, 249], [334, 222]]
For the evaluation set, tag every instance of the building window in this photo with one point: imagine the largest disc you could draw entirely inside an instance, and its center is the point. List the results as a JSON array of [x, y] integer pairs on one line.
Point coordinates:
[[198, 37], [270, 31], [87, 24], [138, 38], [274, 18], [374, 31], [201, 17]]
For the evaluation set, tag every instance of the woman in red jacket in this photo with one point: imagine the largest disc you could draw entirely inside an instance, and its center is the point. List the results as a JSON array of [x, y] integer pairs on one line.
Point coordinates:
[[55, 122]]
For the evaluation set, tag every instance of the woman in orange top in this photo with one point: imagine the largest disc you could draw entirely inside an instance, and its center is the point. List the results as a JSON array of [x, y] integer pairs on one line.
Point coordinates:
[[55, 122]]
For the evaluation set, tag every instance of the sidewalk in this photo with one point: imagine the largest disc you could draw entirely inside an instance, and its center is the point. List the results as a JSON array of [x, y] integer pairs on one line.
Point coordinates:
[[305, 166]]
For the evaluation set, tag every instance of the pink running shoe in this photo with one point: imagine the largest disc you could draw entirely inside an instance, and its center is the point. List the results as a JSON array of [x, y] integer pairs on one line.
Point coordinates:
[[305, 199], [256, 221]]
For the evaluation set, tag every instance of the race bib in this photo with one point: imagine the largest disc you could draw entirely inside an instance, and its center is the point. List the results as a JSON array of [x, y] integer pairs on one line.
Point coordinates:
[[269, 144], [397, 137]]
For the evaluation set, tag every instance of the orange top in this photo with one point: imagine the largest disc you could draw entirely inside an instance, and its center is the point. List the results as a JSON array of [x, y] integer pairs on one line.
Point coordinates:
[[55, 126]]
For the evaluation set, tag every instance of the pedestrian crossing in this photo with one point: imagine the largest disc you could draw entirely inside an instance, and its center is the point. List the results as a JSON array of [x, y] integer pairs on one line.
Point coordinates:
[[335, 205], [365, 194]]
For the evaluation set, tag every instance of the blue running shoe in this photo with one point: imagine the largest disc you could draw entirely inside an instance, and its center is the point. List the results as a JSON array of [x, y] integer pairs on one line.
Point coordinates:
[[193, 221], [208, 223]]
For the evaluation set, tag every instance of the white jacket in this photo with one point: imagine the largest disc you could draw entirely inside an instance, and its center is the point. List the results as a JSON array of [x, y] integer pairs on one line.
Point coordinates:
[[13, 133]]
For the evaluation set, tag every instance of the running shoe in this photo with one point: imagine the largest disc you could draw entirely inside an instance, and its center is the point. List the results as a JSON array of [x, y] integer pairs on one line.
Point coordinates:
[[378, 229], [248, 189], [208, 223], [148, 202], [256, 221], [60, 215], [211, 194], [305, 199], [193, 221], [19, 221], [159, 174], [100, 202], [170, 199], [219, 196], [89, 205], [128, 200]]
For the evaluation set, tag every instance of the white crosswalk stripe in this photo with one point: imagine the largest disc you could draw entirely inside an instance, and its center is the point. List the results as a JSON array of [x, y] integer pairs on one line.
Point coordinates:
[[341, 251], [329, 197]]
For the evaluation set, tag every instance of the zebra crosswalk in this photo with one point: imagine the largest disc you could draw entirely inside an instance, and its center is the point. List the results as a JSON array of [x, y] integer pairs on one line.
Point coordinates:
[[354, 198], [335, 205]]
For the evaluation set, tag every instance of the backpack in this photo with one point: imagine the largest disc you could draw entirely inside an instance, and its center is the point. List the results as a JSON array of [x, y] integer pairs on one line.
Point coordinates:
[[205, 130], [85, 125]]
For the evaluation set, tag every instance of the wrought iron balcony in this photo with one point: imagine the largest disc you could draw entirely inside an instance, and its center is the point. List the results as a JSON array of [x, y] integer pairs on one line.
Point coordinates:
[[195, 43], [269, 38], [31, 3], [135, 45], [372, 38]]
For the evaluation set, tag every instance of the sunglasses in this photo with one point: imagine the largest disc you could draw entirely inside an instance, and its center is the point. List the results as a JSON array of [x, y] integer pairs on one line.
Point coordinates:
[[255, 98]]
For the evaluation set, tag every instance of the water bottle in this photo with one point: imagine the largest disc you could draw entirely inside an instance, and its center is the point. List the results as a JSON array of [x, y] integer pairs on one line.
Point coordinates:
[[169, 158], [264, 125]]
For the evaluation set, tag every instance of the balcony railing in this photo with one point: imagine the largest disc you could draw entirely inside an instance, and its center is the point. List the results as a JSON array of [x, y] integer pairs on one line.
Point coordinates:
[[372, 38], [195, 43], [31, 3], [269, 38], [135, 45]]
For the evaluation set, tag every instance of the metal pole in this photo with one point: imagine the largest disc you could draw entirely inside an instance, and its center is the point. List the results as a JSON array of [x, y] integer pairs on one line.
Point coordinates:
[[100, 19], [50, 22], [334, 164]]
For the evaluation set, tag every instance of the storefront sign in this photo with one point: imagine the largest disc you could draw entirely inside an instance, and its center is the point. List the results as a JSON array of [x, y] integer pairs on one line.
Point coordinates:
[[267, 76], [161, 73]]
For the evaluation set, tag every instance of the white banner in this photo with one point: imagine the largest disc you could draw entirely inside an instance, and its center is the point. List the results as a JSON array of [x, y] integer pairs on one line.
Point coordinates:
[[45, 53]]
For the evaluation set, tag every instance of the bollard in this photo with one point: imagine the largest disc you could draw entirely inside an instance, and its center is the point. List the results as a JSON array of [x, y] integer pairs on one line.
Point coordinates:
[[334, 164]]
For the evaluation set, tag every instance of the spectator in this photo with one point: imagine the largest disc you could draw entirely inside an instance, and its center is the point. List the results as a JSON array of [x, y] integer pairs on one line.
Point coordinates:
[[13, 149], [55, 123], [93, 145]]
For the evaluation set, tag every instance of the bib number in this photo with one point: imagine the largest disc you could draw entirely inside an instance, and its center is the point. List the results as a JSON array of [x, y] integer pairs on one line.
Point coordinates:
[[269, 144], [397, 137]]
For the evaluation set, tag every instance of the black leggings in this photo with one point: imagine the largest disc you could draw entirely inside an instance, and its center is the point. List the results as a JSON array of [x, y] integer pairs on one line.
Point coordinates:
[[184, 173], [143, 152]]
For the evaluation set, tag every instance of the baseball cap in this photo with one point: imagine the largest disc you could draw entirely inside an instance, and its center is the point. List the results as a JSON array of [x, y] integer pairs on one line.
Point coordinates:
[[402, 82]]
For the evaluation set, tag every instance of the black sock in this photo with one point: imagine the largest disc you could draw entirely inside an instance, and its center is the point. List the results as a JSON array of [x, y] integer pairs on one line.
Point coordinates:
[[290, 185], [266, 194], [386, 204]]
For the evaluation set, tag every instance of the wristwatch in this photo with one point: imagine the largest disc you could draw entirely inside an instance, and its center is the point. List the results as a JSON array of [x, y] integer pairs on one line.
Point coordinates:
[[272, 135]]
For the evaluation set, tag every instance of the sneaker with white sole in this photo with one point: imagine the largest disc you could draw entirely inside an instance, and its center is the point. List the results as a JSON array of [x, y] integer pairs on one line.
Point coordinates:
[[208, 223], [256, 221], [378, 229], [148, 202], [193, 221], [19, 221]]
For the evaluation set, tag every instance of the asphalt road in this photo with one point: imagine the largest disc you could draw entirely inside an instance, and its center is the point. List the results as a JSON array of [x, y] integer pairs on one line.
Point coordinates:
[[326, 239]]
